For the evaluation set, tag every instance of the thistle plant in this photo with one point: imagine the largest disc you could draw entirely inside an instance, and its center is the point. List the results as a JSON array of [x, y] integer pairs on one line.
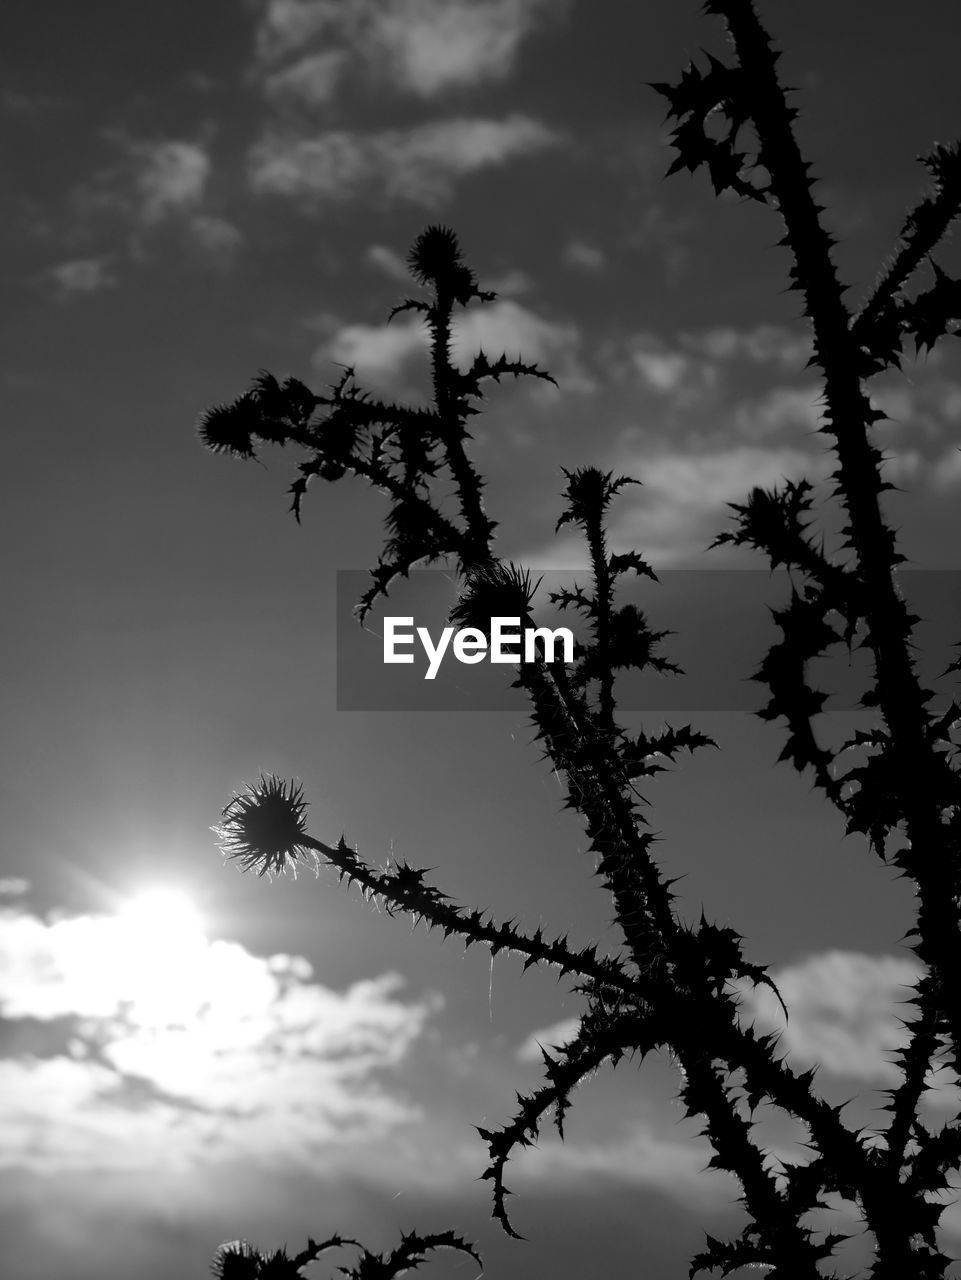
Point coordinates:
[[240, 1260], [668, 984]]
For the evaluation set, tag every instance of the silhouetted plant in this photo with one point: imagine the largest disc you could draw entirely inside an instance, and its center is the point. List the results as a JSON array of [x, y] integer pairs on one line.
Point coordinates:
[[673, 985], [240, 1260]]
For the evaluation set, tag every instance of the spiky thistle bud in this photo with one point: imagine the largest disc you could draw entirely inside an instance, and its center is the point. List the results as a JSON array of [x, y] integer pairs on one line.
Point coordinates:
[[434, 254], [229, 428], [236, 1260], [494, 591], [589, 491], [263, 826], [435, 260]]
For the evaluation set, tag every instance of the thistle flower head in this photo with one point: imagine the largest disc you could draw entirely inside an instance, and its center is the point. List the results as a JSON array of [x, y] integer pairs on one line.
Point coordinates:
[[263, 826], [236, 1260], [494, 591], [434, 254], [435, 259], [588, 493], [229, 428]]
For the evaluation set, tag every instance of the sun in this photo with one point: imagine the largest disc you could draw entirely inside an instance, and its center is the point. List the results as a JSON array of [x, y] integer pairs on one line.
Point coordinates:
[[160, 950], [166, 912]]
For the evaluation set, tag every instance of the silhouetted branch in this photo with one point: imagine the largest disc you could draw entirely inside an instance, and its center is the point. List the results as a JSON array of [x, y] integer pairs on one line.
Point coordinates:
[[676, 986]]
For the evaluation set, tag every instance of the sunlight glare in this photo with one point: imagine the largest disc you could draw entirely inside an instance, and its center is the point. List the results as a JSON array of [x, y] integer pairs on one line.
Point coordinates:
[[165, 912], [160, 950]]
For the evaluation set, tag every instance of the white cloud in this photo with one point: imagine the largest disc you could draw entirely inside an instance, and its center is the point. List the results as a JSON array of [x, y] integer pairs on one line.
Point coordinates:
[[559, 1033], [901, 467], [420, 47], [642, 1158], [706, 481], [287, 25], [389, 262], [897, 403], [419, 165], [170, 177], [380, 352], [327, 167], [764, 344], [950, 402], [680, 505], [662, 370], [158, 189], [946, 472], [685, 381], [174, 1052], [780, 409], [578, 253], [313, 79], [683, 497], [845, 1010], [508, 327], [430, 45], [82, 275], [217, 237], [510, 284], [13, 886]]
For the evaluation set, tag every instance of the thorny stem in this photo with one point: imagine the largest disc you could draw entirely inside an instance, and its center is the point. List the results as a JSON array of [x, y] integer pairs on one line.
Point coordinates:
[[477, 541], [421, 901], [381, 477], [901, 700], [849, 415], [604, 591], [642, 899], [585, 743], [786, 1244], [921, 236]]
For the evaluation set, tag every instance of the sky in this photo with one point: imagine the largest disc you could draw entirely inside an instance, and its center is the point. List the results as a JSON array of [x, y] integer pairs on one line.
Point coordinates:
[[193, 193]]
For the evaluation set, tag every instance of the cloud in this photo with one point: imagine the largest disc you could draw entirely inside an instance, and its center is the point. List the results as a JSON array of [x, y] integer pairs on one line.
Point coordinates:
[[381, 352], [845, 1010], [946, 472], [216, 237], [764, 344], [389, 261], [642, 1158], [684, 495], [427, 46], [313, 80], [418, 47], [509, 284], [559, 1033], [707, 481], [378, 352], [949, 402], [588, 257], [778, 410], [707, 373], [169, 177], [419, 165], [662, 370], [156, 188], [13, 886], [173, 1049], [668, 372], [82, 275], [681, 503]]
